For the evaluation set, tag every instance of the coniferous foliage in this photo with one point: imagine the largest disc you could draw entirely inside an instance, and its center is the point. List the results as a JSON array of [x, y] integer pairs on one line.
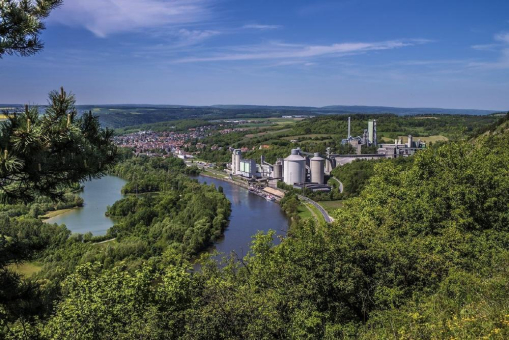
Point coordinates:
[[44, 154], [21, 24]]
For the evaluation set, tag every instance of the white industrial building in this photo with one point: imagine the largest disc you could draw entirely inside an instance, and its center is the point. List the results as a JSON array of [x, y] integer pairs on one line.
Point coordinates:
[[247, 168]]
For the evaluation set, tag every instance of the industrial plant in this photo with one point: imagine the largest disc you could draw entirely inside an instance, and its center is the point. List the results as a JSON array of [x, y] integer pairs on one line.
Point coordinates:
[[299, 169], [309, 170]]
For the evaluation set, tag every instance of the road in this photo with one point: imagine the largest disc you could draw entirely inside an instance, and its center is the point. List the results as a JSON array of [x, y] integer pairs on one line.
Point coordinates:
[[340, 184], [325, 215]]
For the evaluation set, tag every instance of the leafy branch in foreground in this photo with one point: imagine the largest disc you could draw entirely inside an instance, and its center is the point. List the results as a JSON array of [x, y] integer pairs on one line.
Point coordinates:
[[21, 24], [43, 154]]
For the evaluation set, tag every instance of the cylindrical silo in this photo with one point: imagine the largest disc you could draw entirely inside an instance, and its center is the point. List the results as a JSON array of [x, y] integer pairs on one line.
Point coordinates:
[[294, 168], [278, 169], [237, 156], [317, 169]]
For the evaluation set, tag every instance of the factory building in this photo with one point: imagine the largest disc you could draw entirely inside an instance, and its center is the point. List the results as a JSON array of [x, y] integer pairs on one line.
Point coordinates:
[[400, 149], [317, 165], [294, 169], [247, 168], [368, 137]]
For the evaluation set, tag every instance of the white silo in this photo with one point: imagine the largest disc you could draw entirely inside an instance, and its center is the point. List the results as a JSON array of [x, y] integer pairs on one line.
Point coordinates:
[[294, 168], [317, 169], [278, 169], [236, 157]]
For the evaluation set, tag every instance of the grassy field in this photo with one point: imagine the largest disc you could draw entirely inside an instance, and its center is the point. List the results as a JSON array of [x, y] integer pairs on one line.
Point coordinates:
[[318, 214], [26, 269], [304, 212], [264, 133], [304, 137], [432, 139], [330, 206]]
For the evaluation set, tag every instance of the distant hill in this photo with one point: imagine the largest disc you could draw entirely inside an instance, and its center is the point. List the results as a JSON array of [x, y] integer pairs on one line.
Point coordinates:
[[122, 115], [335, 109], [405, 111]]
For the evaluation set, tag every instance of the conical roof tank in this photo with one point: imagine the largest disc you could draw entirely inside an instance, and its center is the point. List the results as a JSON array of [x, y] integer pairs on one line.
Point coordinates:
[[294, 168], [317, 169]]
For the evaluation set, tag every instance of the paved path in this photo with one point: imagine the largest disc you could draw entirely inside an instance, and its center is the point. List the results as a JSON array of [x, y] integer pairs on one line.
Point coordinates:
[[110, 240], [325, 215], [340, 184]]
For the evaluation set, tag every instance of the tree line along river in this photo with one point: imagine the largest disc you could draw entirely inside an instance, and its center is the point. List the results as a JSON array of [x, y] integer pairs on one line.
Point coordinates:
[[250, 213]]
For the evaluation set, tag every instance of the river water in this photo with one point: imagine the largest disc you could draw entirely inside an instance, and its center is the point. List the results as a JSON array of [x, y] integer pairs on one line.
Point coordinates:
[[98, 194], [250, 213]]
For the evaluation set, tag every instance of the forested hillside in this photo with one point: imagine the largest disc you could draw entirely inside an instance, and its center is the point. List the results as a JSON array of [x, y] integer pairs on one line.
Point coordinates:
[[422, 252], [170, 214]]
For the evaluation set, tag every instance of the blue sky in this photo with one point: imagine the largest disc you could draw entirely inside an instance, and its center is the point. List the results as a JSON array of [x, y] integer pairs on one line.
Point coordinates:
[[408, 53]]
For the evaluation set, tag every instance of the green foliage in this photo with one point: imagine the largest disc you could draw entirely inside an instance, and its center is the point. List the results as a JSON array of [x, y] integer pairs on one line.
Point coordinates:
[[174, 125], [44, 155], [454, 127], [182, 215], [422, 252], [21, 24], [355, 176]]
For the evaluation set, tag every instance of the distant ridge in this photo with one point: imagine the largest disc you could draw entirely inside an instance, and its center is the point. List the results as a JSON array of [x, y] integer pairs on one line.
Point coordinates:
[[334, 109], [331, 109]]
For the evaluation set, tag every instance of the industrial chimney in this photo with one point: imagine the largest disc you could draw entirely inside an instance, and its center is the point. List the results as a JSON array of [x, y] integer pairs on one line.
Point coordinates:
[[349, 135]]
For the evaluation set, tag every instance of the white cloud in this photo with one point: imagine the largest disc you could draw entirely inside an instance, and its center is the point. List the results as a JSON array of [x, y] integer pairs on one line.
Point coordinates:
[[106, 17], [502, 47], [195, 36], [486, 47], [292, 51], [503, 37], [261, 27]]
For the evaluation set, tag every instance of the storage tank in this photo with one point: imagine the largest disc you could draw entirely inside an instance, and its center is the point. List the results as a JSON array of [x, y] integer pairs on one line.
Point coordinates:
[[278, 169], [236, 157], [317, 169], [410, 141], [294, 168]]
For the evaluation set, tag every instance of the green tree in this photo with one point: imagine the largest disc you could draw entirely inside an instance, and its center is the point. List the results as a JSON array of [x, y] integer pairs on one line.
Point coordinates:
[[46, 154], [21, 24]]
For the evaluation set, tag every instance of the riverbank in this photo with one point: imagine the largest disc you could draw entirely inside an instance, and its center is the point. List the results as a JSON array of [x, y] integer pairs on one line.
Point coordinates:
[[55, 213], [207, 173], [250, 214], [316, 207]]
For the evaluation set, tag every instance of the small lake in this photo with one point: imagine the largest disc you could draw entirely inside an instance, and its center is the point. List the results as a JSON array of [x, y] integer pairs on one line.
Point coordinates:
[[250, 214], [98, 194]]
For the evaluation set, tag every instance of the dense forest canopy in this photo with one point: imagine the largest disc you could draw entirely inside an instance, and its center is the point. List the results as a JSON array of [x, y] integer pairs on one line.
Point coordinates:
[[170, 214], [421, 252]]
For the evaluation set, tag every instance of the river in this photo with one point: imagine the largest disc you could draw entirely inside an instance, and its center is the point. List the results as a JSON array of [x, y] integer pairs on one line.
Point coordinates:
[[250, 213]]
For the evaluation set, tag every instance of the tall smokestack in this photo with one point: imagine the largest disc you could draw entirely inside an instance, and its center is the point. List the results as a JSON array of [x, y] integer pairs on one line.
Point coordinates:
[[349, 135], [374, 133]]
